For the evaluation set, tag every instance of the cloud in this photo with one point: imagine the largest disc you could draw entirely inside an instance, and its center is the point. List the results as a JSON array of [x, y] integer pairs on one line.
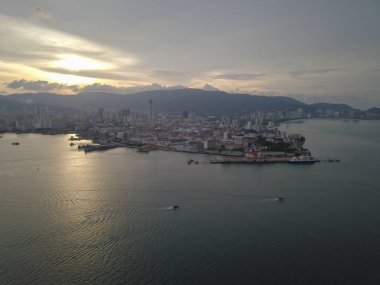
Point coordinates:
[[28, 45], [98, 87], [40, 85], [301, 72], [168, 73], [40, 14], [238, 76], [99, 74], [44, 86]]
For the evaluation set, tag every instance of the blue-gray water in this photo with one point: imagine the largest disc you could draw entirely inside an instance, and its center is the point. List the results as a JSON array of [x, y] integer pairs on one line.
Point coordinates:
[[103, 218]]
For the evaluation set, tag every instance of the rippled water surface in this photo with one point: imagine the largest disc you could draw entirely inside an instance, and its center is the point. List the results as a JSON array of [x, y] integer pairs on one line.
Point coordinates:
[[105, 217]]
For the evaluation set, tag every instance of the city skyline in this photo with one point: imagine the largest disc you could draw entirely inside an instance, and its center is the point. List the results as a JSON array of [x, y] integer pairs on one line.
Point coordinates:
[[327, 51]]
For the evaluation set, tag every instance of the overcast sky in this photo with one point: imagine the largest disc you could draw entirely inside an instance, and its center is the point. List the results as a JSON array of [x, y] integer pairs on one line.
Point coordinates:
[[325, 50]]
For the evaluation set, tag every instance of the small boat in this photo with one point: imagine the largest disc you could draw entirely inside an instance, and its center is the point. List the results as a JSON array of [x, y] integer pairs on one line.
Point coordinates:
[[72, 138], [196, 162], [281, 199], [15, 143], [175, 207]]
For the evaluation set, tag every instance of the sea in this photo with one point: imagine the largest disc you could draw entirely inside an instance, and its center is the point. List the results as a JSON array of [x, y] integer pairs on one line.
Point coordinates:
[[67, 217]]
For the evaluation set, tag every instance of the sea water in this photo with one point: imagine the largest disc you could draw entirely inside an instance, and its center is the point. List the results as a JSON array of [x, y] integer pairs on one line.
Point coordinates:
[[67, 217]]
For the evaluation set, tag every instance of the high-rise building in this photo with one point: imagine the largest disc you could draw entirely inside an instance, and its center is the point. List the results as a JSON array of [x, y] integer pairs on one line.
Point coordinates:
[[150, 110], [101, 113], [125, 112]]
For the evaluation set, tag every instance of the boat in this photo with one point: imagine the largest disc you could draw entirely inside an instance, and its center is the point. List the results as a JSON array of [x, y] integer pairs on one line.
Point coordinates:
[[196, 162], [175, 207], [146, 148], [280, 199], [15, 143], [101, 147], [72, 138], [303, 159]]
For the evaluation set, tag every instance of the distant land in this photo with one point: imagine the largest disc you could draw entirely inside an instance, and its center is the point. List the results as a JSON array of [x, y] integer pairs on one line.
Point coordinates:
[[193, 100]]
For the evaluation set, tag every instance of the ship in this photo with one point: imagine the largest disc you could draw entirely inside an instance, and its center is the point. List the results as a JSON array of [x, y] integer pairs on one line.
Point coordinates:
[[303, 159], [15, 143], [101, 147]]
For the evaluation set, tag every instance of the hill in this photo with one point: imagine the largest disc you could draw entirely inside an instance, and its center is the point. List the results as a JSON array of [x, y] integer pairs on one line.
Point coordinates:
[[374, 110], [9, 105], [195, 100], [330, 106]]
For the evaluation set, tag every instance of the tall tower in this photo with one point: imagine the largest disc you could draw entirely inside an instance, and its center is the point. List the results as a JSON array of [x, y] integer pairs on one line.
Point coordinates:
[[150, 111]]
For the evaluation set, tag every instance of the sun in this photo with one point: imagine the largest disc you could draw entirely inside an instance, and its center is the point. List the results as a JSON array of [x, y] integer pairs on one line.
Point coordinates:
[[73, 62]]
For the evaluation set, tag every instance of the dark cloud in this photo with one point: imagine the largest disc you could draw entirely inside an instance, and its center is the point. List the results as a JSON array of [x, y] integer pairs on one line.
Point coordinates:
[[40, 85], [301, 72], [238, 76]]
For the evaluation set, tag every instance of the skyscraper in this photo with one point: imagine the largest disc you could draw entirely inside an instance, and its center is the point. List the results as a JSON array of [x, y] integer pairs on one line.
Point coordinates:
[[150, 110]]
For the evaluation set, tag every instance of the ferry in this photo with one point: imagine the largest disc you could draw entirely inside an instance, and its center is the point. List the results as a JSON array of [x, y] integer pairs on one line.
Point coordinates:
[[101, 147], [303, 159]]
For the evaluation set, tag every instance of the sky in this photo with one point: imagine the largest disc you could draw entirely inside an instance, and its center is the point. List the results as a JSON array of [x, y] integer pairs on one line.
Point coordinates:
[[325, 50]]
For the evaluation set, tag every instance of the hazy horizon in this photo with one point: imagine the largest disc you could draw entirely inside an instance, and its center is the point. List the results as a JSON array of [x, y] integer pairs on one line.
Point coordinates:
[[313, 51]]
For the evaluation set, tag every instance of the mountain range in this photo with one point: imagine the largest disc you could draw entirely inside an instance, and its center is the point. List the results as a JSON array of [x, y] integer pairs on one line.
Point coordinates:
[[194, 100]]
